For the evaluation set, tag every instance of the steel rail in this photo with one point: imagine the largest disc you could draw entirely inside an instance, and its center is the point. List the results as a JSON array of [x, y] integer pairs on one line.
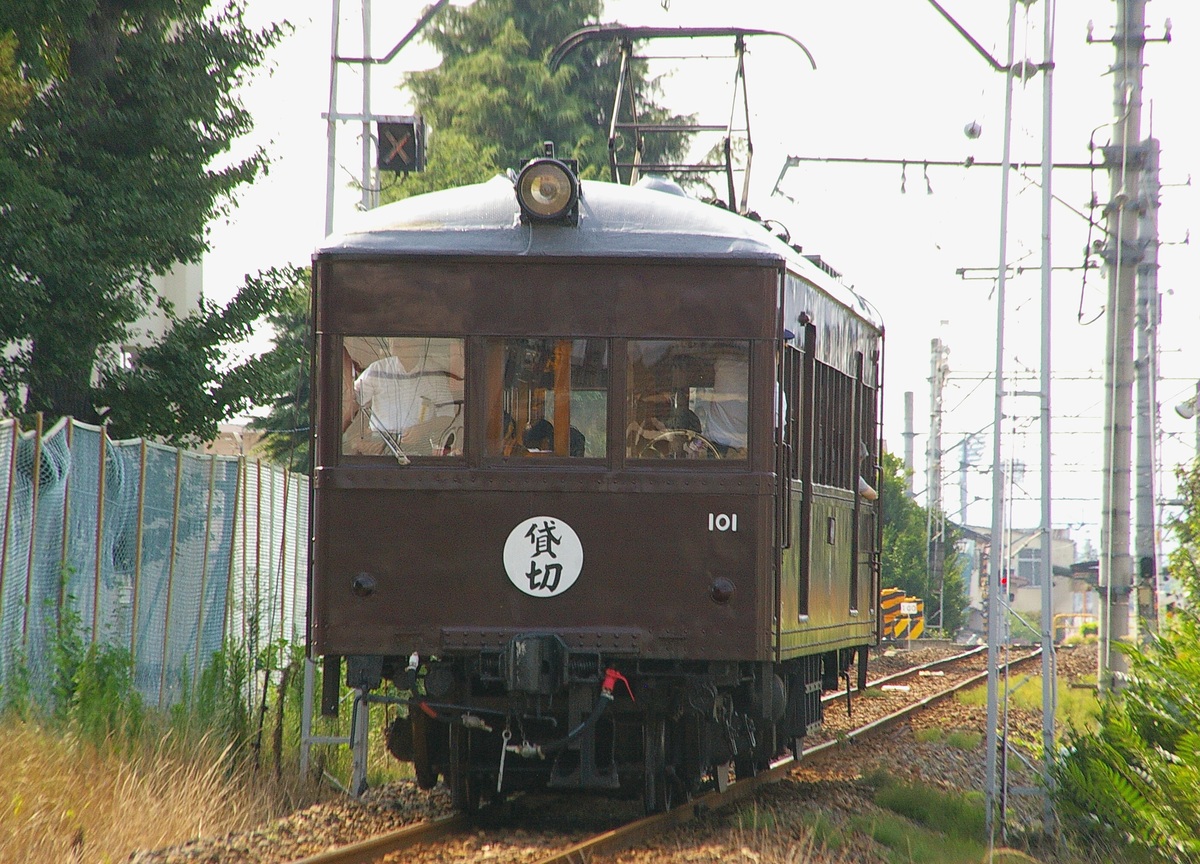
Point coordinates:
[[883, 722], [625, 836], [834, 696], [374, 848]]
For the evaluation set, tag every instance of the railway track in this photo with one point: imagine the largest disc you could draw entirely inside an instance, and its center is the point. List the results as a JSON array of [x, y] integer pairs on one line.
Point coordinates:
[[455, 838]]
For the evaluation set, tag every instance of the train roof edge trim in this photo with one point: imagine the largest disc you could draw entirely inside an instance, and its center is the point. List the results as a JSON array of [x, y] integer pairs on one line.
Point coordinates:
[[614, 220]]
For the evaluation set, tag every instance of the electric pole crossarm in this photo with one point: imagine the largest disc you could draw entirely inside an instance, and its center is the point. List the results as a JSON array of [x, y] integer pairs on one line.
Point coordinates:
[[408, 37]]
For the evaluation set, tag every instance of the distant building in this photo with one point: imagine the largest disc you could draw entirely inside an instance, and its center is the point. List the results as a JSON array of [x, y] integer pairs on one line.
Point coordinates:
[[182, 288], [1074, 598], [234, 439]]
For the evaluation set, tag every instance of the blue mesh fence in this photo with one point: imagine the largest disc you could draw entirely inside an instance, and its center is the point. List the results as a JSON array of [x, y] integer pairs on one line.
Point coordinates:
[[165, 553]]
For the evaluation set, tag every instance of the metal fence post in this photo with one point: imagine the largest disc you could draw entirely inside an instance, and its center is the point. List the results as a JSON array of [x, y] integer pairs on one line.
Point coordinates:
[[33, 506], [137, 552], [162, 679], [64, 545], [212, 477], [300, 539], [99, 530], [283, 628], [226, 624], [8, 498]]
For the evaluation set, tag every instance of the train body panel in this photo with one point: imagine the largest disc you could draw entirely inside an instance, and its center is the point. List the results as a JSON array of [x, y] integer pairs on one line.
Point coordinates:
[[645, 588]]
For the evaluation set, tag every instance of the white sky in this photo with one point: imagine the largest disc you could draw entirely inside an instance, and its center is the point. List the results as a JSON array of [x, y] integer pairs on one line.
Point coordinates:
[[893, 81]]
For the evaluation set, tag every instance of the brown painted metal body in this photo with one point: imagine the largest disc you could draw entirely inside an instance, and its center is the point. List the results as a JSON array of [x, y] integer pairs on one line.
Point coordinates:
[[737, 565]]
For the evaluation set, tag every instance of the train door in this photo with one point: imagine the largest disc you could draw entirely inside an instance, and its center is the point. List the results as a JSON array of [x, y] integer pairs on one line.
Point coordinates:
[[794, 496]]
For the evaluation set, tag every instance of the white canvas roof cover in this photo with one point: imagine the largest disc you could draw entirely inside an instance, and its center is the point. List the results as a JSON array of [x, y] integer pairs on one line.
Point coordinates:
[[614, 220]]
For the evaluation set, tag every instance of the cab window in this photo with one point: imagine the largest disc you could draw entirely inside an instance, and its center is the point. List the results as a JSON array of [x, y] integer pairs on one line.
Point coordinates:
[[546, 397], [687, 399], [402, 396]]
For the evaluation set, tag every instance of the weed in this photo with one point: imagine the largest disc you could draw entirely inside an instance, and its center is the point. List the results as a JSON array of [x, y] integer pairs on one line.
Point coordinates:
[[950, 813], [929, 735], [906, 843], [964, 739], [754, 818]]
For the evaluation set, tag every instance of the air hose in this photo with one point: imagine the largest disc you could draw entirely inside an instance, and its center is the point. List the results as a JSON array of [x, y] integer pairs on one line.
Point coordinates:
[[541, 751]]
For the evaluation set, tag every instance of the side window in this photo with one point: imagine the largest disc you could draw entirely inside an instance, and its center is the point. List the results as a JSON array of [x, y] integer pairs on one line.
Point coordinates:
[[547, 397], [402, 396], [793, 394], [834, 451], [687, 399]]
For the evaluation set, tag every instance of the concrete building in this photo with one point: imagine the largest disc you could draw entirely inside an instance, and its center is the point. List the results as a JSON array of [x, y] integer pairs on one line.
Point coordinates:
[[1075, 600]]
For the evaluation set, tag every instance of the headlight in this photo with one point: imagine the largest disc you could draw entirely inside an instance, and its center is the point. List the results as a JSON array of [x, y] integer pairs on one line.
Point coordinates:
[[548, 191]]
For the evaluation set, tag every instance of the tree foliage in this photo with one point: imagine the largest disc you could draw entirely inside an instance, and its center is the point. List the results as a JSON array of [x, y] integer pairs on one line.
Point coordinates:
[[183, 385], [1184, 561], [494, 100], [490, 104], [904, 558], [286, 426], [1133, 783], [109, 178], [15, 91]]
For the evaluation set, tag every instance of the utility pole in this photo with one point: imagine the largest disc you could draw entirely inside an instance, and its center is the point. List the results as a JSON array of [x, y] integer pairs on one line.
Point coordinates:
[[1122, 254], [909, 435], [997, 553], [1049, 667], [935, 523], [358, 739], [1147, 397]]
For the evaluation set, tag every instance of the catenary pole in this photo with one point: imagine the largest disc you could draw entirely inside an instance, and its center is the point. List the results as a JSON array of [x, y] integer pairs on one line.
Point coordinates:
[[1049, 676], [1121, 255], [1146, 367], [996, 557]]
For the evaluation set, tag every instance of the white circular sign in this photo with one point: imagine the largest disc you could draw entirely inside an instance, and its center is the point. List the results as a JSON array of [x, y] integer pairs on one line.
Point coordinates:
[[543, 556]]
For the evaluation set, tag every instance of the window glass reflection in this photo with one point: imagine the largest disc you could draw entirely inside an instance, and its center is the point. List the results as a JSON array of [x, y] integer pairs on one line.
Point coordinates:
[[687, 399], [402, 396], [547, 397]]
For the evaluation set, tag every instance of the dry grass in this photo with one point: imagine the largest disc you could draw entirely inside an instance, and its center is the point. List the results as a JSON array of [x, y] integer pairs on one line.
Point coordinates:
[[66, 800]]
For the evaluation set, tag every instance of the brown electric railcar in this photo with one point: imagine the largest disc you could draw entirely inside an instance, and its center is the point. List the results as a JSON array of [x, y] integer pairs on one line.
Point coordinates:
[[593, 471]]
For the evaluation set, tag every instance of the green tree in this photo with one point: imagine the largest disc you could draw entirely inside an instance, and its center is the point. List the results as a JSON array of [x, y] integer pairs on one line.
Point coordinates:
[[110, 178], [286, 427], [494, 100], [15, 91], [1133, 783], [903, 559], [185, 383], [491, 103], [1184, 560]]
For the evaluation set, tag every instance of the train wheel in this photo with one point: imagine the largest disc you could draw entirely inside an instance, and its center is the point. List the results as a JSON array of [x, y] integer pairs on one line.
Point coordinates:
[[658, 786], [464, 789], [427, 775]]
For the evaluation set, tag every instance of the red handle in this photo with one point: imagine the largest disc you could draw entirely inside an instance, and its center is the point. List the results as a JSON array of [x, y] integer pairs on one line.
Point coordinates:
[[611, 677]]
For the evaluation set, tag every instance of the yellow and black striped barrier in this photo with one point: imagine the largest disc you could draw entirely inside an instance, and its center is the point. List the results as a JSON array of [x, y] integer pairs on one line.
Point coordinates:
[[903, 616]]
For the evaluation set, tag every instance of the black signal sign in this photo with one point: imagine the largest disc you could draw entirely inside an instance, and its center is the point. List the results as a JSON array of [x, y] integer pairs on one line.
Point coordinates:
[[401, 144]]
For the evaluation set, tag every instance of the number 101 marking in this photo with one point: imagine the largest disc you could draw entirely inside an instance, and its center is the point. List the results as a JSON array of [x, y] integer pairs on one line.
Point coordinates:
[[722, 522]]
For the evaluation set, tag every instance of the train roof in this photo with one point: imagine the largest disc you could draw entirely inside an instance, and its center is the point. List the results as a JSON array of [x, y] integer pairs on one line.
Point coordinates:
[[614, 221]]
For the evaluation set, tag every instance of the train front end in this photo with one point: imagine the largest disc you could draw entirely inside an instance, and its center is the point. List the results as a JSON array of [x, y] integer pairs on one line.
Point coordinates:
[[545, 497]]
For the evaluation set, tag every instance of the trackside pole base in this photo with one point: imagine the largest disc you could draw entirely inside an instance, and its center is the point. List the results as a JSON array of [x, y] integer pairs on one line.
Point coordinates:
[[307, 739], [359, 726], [306, 715]]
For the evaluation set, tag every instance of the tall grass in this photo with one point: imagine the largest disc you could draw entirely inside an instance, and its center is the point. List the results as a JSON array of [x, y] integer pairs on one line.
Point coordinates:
[[92, 773], [68, 798]]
